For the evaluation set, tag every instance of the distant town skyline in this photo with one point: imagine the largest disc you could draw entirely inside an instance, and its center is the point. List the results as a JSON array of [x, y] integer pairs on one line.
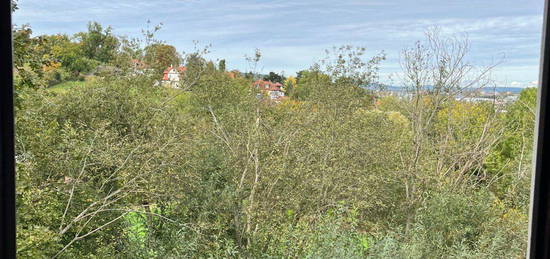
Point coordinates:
[[292, 35]]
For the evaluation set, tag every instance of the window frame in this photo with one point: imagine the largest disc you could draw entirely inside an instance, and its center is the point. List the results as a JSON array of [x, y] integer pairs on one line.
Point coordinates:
[[7, 136], [539, 214], [539, 217]]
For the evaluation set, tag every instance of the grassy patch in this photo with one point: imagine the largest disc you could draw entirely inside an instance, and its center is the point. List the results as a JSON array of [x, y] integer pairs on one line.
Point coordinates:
[[65, 86], [179, 98]]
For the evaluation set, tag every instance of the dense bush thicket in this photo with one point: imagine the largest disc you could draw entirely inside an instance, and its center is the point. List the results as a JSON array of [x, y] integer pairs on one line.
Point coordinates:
[[118, 168]]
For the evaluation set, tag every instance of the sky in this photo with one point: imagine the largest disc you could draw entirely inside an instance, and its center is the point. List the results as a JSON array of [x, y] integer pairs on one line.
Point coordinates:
[[292, 35]]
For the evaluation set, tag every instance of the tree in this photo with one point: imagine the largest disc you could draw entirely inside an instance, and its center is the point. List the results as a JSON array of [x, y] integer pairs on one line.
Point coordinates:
[[274, 77], [70, 54], [14, 5], [434, 73], [510, 160], [28, 61], [221, 65], [98, 43], [346, 64], [307, 82], [521, 118], [159, 56], [120, 167], [289, 84], [249, 75]]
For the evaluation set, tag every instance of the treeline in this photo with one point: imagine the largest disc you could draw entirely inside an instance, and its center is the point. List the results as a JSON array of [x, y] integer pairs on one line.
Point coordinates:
[[45, 60], [118, 168]]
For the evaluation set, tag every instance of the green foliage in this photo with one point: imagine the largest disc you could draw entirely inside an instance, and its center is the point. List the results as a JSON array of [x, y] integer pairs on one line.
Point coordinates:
[[98, 43], [86, 124], [221, 65], [66, 86], [56, 75], [308, 82], [274, 77], [114, 167], [458, 226], [161, 56], [47, 60], [331, 235], [14, 5], [71, 56], [510, 160], [28, 62]]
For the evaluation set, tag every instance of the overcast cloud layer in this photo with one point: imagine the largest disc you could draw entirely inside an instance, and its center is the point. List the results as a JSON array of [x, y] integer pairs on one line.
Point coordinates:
[[293, 34]]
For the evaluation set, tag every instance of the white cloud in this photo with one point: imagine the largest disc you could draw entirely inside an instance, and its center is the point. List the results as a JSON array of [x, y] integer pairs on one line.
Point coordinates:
[[291, 33], [533, 84]]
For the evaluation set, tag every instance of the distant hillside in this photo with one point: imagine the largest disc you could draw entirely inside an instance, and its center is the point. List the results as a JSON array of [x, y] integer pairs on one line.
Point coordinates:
[[514, 90]]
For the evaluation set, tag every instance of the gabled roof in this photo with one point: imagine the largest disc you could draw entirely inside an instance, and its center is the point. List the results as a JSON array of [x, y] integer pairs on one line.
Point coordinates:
[[180, 69], [171, 68], [267, 85]]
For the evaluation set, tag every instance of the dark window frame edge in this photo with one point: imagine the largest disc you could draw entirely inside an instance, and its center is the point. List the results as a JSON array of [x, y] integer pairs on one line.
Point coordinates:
[[539, 224], [7, 136]]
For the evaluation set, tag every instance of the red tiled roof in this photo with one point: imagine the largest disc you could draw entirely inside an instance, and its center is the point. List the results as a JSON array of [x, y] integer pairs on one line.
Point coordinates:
[[168, 69], [267, 85], [165, 75]]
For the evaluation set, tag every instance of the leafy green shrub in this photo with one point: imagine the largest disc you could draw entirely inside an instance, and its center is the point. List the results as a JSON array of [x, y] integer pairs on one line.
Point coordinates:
[[457, 225]]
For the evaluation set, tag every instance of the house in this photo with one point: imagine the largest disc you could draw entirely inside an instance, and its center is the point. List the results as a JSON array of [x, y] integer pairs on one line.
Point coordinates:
[[137, 64], [273, 90], [138, 67], [172, 75]]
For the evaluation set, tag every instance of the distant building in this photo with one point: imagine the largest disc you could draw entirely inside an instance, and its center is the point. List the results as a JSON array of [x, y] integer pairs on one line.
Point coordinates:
[[511, 98], [138, 64], [172, 75], [272, 90], [139, 67]]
